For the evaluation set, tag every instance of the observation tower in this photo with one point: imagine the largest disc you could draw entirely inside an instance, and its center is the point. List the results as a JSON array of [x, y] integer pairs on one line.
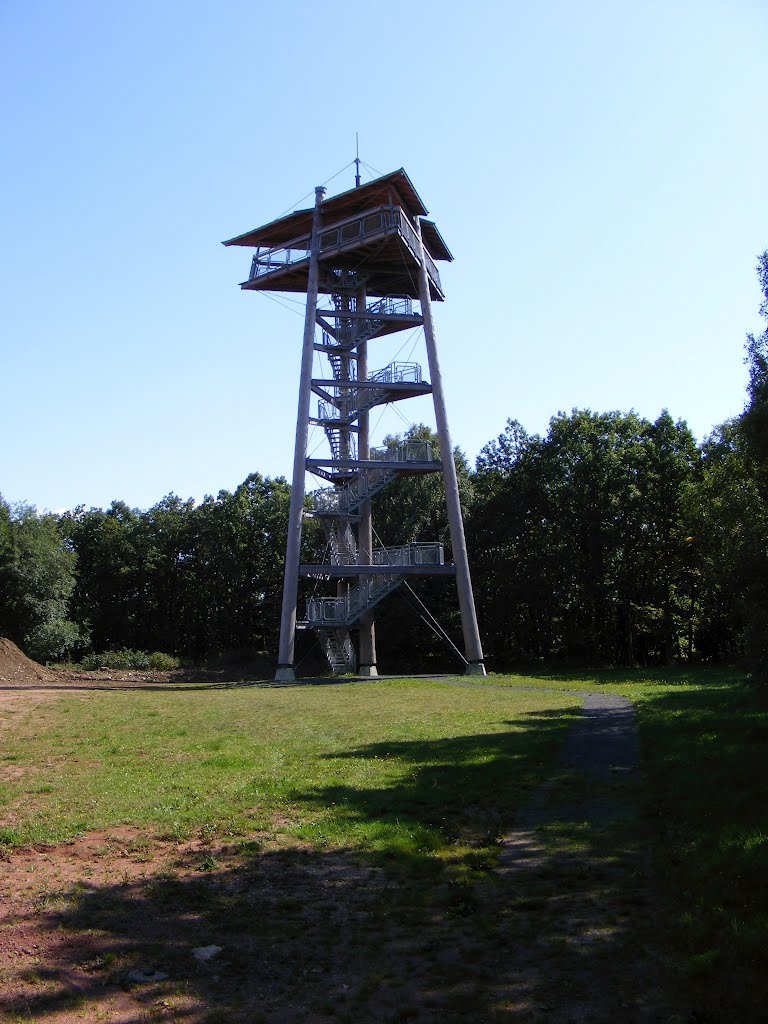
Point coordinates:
[[362, 258]]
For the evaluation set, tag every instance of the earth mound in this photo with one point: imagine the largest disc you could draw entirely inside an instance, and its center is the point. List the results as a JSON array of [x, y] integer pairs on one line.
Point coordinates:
[[16, 667]]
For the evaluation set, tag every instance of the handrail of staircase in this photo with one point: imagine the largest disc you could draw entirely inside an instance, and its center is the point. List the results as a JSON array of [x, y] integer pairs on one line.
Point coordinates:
[[411, 451], [321, 610], [398, 373], [391, 307], [343, 499], [416, 553], [338, 611]]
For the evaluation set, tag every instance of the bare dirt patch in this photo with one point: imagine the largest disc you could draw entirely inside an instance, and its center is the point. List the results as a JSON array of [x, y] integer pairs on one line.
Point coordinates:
[[16, 667], [112, 927], [107, 928]]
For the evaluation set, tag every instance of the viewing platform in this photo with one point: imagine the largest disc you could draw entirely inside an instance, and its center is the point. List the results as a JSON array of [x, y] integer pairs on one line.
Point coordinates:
[[353, 397], [358, 233], [384, 316], [423, 558], [413, 457]]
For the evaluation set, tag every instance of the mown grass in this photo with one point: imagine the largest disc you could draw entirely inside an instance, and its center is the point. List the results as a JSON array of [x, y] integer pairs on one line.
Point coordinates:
[[399, 767]]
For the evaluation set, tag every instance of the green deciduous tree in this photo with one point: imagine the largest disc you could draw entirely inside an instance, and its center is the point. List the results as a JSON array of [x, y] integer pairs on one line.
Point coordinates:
[[238, 563], [189, 579], [723, 509], [109, 591], [578, 538], [754, 431], [37, 578]]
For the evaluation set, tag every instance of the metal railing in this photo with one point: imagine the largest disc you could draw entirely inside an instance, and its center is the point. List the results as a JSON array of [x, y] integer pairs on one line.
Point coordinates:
[[343, 364], [342, 409], [398, 373], [341, 236], [418, 553], [345, 499], [326, 411], [391, 307], [369, 481], [343, 443], [350, 401], [412, 451], [267, 260], [338, 648], [328, 499], [322, 611], [342, 544], [343, 611]]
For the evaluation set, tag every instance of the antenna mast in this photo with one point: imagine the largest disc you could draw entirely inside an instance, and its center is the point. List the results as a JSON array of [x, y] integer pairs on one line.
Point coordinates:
[[357, 162]]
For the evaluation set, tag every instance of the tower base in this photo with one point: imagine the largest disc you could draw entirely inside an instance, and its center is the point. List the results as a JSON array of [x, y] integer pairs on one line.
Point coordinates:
[[369, 671], [285, 674], [475, 668]]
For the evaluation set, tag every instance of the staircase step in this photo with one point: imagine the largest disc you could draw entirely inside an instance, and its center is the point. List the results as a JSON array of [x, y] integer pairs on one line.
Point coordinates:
[[338, 648]]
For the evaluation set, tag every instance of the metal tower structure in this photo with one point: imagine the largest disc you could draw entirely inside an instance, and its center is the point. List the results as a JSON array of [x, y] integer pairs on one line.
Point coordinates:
[[370, 253]]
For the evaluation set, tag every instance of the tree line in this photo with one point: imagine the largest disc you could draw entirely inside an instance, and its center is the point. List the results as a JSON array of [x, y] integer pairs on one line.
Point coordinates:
[[610, 540]]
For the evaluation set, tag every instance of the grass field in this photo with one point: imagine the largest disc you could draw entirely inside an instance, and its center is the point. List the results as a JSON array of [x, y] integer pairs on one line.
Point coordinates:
[[409, 767], [420, 780]]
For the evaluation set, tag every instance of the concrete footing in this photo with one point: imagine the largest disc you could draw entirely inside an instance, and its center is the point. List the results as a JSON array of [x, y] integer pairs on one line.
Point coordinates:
[[285, 674], [475, 668]]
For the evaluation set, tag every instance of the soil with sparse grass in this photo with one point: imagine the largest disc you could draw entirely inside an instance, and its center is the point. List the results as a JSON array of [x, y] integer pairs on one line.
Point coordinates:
[[107, 928]]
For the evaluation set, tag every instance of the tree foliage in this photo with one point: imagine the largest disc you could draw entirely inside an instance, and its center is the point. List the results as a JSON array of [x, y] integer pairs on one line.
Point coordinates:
[[189, 579], [37, 577], [753, 431], [579, 540]]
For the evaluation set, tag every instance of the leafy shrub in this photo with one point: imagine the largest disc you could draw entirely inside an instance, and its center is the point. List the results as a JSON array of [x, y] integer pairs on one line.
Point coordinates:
[[163, 662], [126, 658], [55, 640], [121, 659]]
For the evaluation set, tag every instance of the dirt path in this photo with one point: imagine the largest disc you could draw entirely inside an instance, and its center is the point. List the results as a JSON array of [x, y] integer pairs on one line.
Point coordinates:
[[562, 932]]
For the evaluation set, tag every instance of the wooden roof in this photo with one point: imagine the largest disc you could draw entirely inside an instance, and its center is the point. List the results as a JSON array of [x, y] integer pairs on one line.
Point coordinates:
[[433, 240], [396, 186]]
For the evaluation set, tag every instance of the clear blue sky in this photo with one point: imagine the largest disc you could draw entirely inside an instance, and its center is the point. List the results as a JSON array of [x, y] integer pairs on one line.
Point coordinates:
[[598, 168]]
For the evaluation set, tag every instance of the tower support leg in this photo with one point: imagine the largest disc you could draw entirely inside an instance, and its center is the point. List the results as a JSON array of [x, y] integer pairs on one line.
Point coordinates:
[[367, 633], [285, 670], [473, 647]]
